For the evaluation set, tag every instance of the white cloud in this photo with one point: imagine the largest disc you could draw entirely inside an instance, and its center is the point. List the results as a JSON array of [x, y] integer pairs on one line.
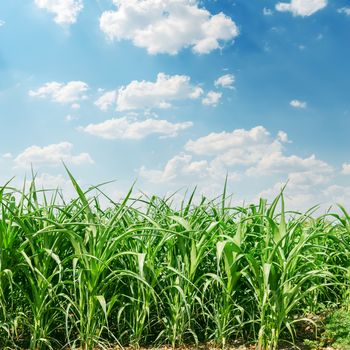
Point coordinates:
[[2, 23], [267, 11], [346, 169], [107, 100], [7, 155], [65, 11], [255, 148], [337, 194], [75, 106], [239, 140], [298, 104], [212, 98], [158, 94], [277, 162], [302, 7], [70, 117], [71, 92], [245, 155], [180, 165], [125, 128], [167, 26], [50, 183], [52, 154], [344, 10], [257, 164], [225, 81], [295, 198]]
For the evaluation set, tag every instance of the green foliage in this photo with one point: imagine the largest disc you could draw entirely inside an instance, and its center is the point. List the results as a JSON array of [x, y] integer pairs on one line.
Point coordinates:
[[337, 329], [145, 271]]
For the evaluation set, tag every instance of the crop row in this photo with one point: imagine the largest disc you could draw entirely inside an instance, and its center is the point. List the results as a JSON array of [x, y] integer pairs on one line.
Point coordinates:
[[147, 272]]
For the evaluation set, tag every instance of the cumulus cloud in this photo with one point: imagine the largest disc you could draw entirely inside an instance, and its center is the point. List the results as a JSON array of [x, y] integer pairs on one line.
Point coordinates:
[[189, 171], [51, 155], [245, 155], [298, 104], [107, 100], [255, 149], [337, 194], [344, 10], [70, 92], [158, 94], [225, 81], [180, 165], [345, 169], [126, 128], [212, 98], [277, 162], [167, 26], [239, 139], [302, 8], [65, 11]]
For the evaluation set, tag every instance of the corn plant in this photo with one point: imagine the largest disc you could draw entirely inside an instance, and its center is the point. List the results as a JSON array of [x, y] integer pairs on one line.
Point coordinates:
[[145, 271]]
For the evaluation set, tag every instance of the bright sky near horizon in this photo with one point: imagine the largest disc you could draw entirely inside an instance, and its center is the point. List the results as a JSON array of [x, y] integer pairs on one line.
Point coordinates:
[[177, 93]]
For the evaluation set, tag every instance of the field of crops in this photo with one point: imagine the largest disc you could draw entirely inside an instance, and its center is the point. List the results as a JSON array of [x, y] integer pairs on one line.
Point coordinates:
[[148, 272]]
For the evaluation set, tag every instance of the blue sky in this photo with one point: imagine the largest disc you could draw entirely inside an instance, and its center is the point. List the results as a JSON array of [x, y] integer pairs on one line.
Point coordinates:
[[177, 93]]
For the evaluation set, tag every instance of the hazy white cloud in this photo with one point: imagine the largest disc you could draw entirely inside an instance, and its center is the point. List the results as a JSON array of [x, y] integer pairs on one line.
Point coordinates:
[[267, 11], [2, 23], [53, 182], [7, 155], [158, 94], [298, 104], [301, 7], [75, 106], [167, 26], [107, 100], [344, 10], [65, 11], [70, 117], [180, 165], [225, 81], [126, 128], [337, 194], [256, 149], [70, 92], [242, 155], [239, 139], [345, 169], [52, 154], [212, 98], [277, 162]]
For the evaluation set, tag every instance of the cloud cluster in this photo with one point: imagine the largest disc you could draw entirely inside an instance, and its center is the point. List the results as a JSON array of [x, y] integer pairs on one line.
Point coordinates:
[[70, 92], [298, 104], [147, 94], [107, 100], [344, 10], [302, 8], [225, 81], [126, 128], [65, 11], [52, 155], [212, 98], [251, 155], [167, 26], [181, 164]]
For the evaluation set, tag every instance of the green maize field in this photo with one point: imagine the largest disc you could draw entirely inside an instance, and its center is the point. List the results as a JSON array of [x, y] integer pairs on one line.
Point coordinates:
[[147, 272]]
